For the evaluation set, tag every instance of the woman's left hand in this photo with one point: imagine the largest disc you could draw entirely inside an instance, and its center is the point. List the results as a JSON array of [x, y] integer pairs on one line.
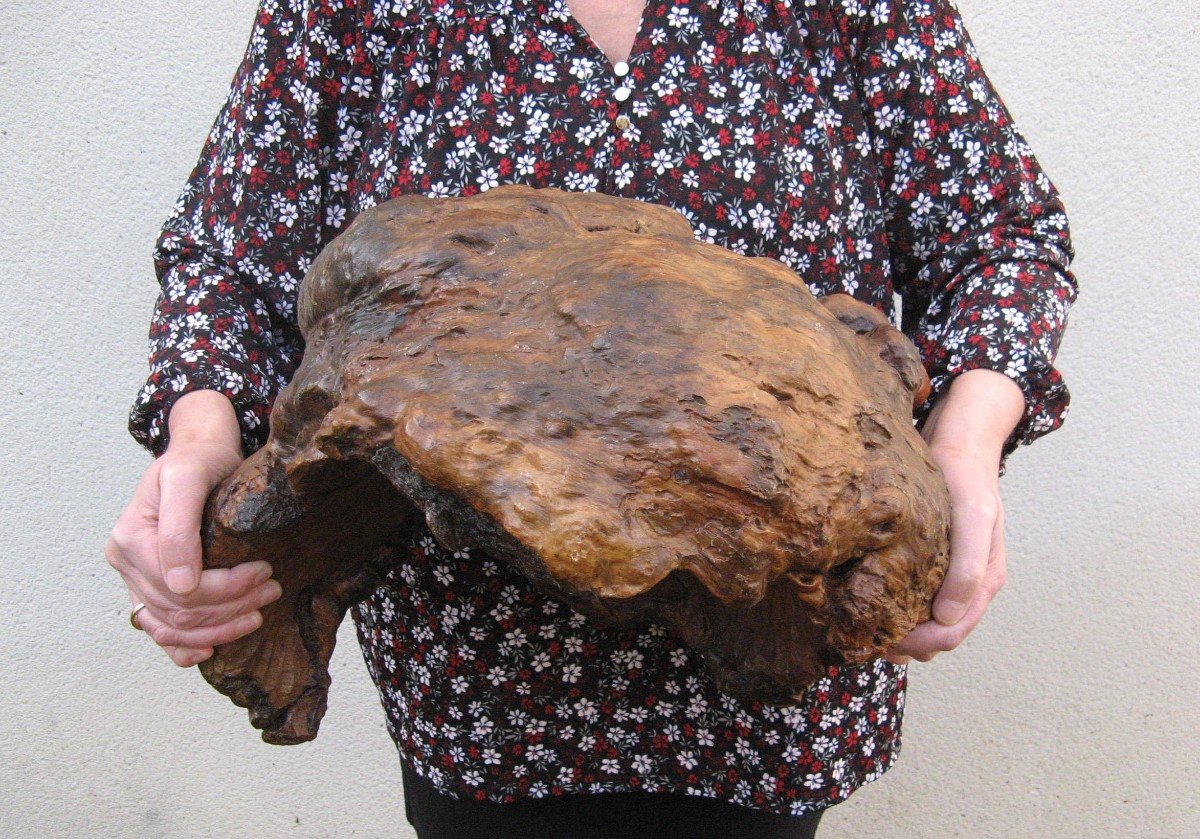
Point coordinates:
[[965, 431]]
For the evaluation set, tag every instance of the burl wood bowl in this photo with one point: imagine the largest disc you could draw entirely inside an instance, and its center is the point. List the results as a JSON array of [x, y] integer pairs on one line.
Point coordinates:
[[649, 427]]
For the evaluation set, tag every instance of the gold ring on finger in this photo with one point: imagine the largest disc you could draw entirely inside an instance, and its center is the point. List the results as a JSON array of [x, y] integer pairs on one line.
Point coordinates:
[[133, 613]]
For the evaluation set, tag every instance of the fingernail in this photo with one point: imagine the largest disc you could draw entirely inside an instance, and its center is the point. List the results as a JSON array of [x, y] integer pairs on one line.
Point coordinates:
[[262, 576], [273, 590], [180, 580]]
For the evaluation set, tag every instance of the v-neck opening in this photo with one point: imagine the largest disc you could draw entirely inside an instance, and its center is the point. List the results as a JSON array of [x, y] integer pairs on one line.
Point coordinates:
[[580, 31]]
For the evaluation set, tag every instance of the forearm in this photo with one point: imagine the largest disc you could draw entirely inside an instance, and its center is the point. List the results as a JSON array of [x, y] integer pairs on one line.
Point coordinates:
[[248, 222], [978, 237]]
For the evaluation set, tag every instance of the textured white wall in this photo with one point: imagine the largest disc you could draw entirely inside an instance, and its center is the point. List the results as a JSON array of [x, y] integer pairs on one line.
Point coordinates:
[[1071, 712]]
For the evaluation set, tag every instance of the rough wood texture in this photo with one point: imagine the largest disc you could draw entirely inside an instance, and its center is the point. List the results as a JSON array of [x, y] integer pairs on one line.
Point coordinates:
[[647, 426]]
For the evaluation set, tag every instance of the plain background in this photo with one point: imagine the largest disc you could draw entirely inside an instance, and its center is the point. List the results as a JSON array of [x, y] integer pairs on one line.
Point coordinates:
[[1072, 710]]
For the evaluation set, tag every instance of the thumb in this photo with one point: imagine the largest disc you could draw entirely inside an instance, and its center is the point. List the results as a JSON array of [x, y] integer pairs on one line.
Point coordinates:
[[971, 529], [183, 490]]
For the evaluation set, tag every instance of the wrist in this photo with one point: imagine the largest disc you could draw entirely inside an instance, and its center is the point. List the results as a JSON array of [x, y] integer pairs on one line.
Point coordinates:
[[204, 417], [977, 413]]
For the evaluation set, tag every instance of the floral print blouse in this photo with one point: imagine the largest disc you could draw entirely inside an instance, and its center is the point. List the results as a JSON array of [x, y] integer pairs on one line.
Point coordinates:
[[859, 142]]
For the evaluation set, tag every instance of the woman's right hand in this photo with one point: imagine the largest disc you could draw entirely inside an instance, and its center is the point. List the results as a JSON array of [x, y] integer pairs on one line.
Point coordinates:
[[155, 544]]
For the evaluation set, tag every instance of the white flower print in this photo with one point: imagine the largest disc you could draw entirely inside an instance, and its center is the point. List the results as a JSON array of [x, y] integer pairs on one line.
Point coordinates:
[[825, 163]]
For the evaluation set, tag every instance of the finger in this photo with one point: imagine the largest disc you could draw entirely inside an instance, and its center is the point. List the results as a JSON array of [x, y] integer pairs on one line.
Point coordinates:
[[217, 608], [971, 528], [182, 656], [182, 493], [222, 613], [220, 586], [137, 560], [166, 635], [930, 638], [188, 656]]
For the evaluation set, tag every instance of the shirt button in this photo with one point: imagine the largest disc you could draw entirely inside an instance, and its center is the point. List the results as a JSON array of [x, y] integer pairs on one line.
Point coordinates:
[[621, 94], [622, 122], [620, 68]]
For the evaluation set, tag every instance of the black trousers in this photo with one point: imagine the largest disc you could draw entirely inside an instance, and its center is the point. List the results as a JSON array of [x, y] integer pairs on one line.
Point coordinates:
[[609, 815]]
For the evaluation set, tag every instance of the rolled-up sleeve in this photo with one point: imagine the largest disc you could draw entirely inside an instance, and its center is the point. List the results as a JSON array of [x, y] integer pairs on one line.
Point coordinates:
[[247, 225], [979, 244]]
